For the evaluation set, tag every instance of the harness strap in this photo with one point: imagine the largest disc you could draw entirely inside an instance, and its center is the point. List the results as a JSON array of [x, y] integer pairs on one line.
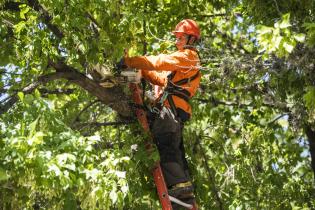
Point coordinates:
[[187, 80], [143, 84], [180, 95], [174, 89], [172, 104], [171, 76]]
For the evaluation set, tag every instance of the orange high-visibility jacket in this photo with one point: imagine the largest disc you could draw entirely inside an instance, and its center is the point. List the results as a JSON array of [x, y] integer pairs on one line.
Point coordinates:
[[184, 62]]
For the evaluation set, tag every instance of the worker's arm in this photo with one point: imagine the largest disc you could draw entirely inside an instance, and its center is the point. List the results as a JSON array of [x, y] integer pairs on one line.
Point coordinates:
[[179, 60], [153, 78]]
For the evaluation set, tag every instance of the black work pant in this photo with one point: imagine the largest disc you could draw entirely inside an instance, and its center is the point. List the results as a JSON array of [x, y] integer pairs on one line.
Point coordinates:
[[167, 132]]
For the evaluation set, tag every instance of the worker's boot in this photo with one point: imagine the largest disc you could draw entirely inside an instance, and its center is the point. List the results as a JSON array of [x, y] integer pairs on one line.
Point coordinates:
[[183, 192], [190, 201]]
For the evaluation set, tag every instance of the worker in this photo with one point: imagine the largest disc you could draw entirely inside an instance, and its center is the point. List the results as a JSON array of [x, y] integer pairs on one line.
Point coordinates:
[[172, 108]]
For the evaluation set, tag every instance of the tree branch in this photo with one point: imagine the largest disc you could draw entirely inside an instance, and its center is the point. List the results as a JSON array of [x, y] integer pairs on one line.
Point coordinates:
[[83, 110], [56, 91], [213, 15], [113, 97], [45, 16], [31, 87], [47, 19], [100, 124], [277, 118], [93, 20], [277, 7], [210, 175], [217, 102]]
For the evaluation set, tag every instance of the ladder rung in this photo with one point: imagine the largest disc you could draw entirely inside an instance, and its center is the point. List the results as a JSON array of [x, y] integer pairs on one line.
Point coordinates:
[[179, 202]]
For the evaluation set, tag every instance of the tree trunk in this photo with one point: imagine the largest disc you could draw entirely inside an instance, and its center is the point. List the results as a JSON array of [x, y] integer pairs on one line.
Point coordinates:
[[310, 133]]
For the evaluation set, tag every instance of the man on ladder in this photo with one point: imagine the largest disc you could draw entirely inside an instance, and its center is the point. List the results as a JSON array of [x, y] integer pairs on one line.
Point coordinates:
[[172, 108]]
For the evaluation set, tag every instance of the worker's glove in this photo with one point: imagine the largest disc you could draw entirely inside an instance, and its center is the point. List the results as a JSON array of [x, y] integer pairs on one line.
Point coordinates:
[[121, 64]]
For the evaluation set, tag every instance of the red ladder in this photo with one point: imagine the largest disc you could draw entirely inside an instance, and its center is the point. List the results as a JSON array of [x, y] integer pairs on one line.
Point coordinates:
[[165, 199]]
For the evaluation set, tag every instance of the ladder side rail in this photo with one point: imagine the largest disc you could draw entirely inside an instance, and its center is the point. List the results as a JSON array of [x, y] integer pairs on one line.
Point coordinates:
[[157, 171]]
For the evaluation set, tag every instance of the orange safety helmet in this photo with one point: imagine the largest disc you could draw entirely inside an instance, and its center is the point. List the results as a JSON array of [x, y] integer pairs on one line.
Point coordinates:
[[189, 27]]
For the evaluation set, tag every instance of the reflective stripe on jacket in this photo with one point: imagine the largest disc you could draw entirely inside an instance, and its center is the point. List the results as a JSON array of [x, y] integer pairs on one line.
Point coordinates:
[[184, 62]]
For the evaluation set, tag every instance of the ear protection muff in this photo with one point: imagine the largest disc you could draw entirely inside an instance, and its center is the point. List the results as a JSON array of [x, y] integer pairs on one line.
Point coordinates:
[[191, 40]]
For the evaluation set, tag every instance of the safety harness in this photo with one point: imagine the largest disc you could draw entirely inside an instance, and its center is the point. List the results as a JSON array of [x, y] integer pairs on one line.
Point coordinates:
[[176, 89]]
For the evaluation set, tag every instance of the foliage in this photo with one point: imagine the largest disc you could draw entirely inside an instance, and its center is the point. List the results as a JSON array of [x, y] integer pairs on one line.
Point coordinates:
[[246, 143], [279, 39]]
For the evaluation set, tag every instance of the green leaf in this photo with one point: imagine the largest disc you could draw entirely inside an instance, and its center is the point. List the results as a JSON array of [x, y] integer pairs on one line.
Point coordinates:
[[309, 98], [121, 174], [309, 26], [21, 96], [93, 174], [264, 30], [20, 26], [94, 139], [288, 47], [3, 175], [37, 93], [113, 196], [23, 11], [29, 99], [62, 159], [54, 168], [32, 127], [36, 139], [299, 37], [249, 48], [285, 23], [277, 41], [71, 166], [224, 139], [70, 202]]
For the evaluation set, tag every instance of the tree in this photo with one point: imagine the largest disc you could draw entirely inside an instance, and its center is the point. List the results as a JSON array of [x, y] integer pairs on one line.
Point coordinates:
[[68, 142]]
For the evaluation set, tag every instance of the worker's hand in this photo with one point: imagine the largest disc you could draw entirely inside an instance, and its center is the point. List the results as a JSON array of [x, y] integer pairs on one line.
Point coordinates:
[[121, 65]]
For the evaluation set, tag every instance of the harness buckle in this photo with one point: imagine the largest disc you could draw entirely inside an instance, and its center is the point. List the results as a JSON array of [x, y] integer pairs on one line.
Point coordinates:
[[155, 110]]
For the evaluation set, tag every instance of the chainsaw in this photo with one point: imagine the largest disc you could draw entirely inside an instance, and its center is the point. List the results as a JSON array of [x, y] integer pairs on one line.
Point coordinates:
[[107, 78]]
